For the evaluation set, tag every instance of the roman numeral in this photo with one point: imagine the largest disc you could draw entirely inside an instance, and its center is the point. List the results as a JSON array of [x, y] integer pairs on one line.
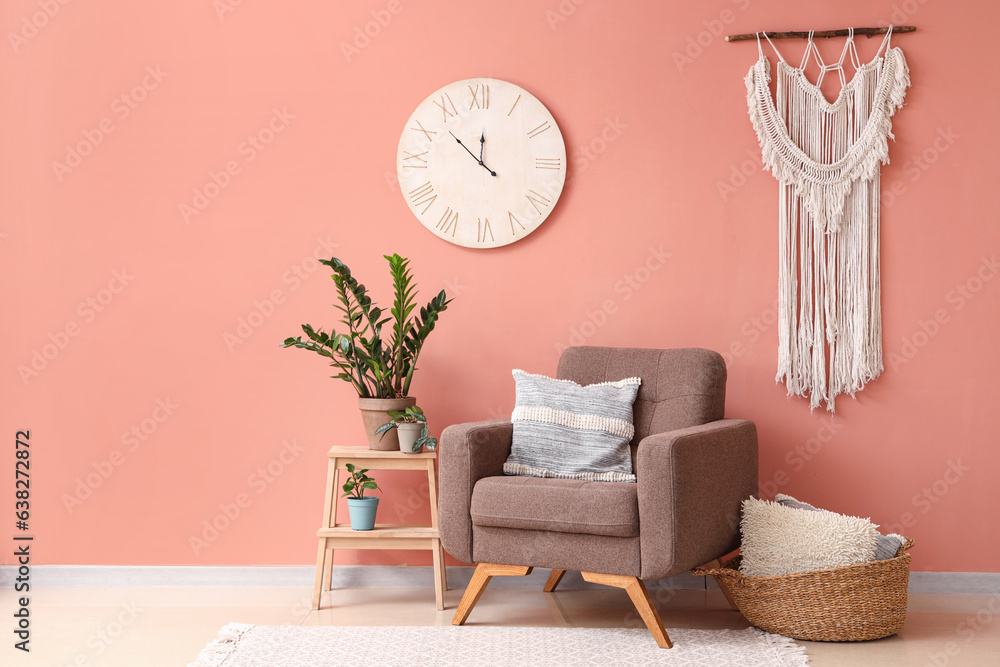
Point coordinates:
[[548, 163], [513, 219], [484, 103], [537, 199], [444, 104], [514, 105], [483, 228], [448, 222], [419, 162], [423, 195], [538, 130], [420, 128]]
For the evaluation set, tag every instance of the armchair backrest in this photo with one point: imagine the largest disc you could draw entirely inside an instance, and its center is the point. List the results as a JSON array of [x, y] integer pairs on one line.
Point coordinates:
[[680, 388]]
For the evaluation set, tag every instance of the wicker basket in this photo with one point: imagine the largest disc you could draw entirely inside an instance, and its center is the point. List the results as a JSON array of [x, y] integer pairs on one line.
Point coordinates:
[[843, 604]]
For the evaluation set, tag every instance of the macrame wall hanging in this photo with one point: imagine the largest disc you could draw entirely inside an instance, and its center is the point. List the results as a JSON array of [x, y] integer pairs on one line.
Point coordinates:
[[826, 157]]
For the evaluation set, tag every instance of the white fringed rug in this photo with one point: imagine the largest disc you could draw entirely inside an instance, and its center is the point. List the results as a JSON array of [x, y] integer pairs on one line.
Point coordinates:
[[242, 645]]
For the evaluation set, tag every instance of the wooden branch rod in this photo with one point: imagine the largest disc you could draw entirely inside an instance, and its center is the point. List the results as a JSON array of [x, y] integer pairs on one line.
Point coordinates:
[[800, 34]]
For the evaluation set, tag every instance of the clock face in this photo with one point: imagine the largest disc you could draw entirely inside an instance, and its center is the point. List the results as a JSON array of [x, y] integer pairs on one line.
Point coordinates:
[[481, 163]]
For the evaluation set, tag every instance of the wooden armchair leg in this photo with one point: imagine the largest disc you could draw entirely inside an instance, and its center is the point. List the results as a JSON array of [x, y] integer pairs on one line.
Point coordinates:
[[480, 578], [554, 580], [717, 564], [640, 598]]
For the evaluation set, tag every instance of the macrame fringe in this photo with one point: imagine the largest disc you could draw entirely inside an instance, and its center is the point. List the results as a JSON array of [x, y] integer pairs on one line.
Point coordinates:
[[824, 188], [617, 383], [827, 158], [522, 469], [223, 646], [784, 649]]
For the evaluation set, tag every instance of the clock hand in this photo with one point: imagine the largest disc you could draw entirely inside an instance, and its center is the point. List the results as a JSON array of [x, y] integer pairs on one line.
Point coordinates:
[[466, 148], [481, 164], [482, 142]]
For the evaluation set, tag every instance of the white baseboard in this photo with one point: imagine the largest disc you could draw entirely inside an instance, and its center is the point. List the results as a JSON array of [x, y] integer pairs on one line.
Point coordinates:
[[956, 583], [398, 576], [344, 576]]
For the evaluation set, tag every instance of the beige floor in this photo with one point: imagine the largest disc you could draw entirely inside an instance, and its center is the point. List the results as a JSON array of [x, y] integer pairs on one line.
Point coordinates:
[[149, 627]]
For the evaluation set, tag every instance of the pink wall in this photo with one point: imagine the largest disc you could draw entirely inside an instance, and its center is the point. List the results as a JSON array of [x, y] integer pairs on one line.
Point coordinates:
[[663, 161]]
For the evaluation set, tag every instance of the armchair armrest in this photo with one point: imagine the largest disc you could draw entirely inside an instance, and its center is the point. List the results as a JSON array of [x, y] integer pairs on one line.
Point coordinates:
[[467, 453], [691, 483]]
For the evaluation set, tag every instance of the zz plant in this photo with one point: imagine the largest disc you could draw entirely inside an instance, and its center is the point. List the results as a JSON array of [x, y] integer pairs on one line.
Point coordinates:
[[378, 363]]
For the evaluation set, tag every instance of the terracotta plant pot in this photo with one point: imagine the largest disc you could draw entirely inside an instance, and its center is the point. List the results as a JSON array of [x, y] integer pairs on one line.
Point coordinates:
[[408, 434], [374, 413]]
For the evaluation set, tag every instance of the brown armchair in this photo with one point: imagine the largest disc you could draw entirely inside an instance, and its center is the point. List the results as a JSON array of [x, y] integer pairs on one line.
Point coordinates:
[[693, 469]]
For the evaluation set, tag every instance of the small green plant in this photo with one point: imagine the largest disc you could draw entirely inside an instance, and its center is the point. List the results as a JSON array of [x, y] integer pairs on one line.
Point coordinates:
[[357, 483], [375, 367], [411, 415]]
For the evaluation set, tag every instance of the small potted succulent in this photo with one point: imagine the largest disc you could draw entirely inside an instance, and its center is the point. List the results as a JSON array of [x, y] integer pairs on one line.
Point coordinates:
[[362, 508], [412, 426]]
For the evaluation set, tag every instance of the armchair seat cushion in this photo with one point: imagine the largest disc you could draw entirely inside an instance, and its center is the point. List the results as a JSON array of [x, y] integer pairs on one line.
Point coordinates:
[[557, 505]]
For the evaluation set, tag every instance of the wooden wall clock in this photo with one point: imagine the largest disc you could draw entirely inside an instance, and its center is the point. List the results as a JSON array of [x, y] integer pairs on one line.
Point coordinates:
[[481, 163]]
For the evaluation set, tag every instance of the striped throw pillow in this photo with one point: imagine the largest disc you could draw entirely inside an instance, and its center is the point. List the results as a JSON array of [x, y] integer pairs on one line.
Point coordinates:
[[567, 430]]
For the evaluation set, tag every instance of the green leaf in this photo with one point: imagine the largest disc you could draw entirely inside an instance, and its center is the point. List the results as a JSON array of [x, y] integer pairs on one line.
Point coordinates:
[[350, 467], [370, 485], [376, 367]]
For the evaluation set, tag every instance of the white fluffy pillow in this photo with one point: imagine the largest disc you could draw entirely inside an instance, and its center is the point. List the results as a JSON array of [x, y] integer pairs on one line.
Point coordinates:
[[779, 540], [886, 546]]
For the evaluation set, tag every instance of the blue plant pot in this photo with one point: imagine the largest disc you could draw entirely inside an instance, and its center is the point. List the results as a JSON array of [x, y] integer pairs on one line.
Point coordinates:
[[362, 512]]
